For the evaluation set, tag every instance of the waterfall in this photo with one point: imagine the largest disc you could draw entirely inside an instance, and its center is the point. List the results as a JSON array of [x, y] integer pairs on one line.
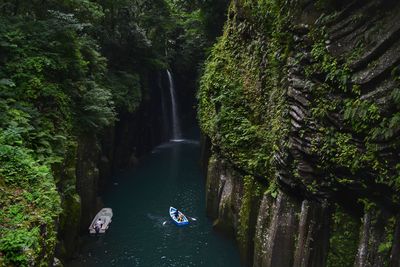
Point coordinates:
[[176, 128]]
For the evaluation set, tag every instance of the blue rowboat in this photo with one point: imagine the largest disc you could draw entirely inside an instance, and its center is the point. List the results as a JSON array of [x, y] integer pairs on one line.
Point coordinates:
[[182, 221]]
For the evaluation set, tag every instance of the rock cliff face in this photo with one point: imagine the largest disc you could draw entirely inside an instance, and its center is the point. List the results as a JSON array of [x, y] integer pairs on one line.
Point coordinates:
[[300, 100], [89, 165]]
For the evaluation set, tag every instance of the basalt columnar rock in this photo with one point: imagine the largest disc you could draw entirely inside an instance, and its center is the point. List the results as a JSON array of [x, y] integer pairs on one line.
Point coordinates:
[[89, 165], [300, 101]]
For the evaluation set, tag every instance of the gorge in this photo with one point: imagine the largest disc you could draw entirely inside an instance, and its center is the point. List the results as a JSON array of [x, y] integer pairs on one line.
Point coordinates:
[[142, 233], [303, 134], [298, 105]]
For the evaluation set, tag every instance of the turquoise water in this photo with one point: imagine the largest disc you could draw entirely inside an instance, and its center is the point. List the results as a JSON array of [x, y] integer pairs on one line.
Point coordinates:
[[142, 233]]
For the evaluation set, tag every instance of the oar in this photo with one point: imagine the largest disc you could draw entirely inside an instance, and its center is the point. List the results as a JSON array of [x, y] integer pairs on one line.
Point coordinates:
[[191, 218]]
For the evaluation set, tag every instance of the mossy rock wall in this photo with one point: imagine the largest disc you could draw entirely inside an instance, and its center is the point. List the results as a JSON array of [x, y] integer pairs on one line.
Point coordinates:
[[270, 231], [304, 98], [224, 196]]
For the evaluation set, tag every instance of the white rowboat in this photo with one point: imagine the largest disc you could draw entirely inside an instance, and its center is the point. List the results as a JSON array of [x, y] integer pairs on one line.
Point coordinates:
[[104, 217]]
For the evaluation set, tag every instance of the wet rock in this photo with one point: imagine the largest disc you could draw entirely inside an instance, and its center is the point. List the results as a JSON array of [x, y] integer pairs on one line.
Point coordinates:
[[395, 252], [372, 235], [87, 177], [261, 233], [224, 192], [57, 263], [281, 233], [313, 235], [359, 54]]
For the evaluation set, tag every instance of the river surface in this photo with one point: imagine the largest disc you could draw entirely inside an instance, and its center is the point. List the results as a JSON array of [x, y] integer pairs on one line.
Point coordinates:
[[142, 233]]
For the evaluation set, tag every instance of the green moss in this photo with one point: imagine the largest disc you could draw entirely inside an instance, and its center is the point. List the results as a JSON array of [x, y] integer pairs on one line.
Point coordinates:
[[356, 53], [344, 239], [385, 247], [31, 204], [335, 94], [243, 109], [380, 220], [126, 90], [69, 223], [248, 214], [241, 97], [49, 88]]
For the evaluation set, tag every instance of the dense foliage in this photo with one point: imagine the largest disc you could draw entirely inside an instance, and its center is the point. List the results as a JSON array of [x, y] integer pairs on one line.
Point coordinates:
[[280, 105], [50, 87], [67, 69], [241, 100]]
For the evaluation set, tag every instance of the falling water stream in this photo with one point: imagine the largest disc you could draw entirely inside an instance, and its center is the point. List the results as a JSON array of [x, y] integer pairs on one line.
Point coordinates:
[[176, 127], [141, 232]]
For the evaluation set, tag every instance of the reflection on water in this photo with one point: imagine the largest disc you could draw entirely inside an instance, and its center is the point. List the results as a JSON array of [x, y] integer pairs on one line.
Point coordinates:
[[142, 233]]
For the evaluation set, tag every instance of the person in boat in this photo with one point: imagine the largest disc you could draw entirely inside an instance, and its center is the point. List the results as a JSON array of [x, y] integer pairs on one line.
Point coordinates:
[[97, 226], [180, 217], [176, 214]]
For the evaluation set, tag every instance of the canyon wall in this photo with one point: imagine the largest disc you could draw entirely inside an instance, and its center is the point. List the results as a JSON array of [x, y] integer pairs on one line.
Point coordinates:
[[300, 102], [94, 158]]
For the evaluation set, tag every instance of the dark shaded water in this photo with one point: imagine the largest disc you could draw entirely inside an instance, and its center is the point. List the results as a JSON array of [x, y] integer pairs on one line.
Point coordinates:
[[140, 199]]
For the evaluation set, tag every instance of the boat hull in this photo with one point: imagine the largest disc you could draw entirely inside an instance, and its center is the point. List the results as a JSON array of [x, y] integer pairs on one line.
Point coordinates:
[[184, 221], [105, 216]]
